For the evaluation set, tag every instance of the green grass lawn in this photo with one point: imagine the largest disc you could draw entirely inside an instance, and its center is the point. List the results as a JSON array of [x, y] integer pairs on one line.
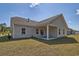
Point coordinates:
[[62, 46]]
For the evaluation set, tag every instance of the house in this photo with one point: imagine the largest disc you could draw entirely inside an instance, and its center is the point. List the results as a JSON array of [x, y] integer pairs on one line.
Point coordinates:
[[49, 28], [76, 32], [70, 31]]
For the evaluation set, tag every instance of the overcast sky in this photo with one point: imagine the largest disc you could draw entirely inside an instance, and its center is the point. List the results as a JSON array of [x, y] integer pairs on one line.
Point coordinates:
[[38, 12]]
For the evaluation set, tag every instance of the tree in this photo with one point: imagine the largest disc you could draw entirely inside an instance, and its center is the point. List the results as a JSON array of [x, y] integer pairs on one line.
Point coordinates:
[[4, 30], [3, 27]]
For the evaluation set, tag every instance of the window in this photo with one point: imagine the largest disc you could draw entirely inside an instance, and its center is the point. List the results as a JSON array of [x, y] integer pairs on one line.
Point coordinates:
[[63, 31], [37, 31], [59, 31], [23, 30]]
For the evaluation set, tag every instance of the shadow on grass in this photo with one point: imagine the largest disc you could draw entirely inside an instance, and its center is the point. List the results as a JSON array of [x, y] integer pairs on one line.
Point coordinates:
[[62, 40]]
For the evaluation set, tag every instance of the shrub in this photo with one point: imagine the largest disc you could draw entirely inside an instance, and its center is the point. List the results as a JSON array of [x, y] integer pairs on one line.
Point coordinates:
[[4, 38]]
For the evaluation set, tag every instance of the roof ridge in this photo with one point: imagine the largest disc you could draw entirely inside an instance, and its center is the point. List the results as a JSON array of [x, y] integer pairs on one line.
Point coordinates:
[[25, 19]]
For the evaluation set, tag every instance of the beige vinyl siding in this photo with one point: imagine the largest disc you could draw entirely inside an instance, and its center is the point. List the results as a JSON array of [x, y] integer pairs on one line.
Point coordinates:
[[29, 31], [60, 23], [53, 32]]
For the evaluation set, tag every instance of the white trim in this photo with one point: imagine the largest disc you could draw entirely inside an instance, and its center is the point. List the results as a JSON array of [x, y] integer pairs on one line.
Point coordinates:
[[47, 32]]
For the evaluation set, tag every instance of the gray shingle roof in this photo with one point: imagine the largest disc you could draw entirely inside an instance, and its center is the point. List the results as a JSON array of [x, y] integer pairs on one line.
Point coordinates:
[[24, 21], [48, 20]]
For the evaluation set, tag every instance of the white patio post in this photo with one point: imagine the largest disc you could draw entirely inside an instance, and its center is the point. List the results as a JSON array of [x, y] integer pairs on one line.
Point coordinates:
[[47, 32]]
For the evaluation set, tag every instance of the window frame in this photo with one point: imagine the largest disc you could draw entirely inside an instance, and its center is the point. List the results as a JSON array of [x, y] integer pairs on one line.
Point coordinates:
[[37, 31], [23, 31], [59, 32]]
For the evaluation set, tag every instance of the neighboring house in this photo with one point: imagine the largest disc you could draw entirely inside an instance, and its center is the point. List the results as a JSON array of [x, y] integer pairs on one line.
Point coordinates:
[[77, 32], [71, 31], [49, 28]]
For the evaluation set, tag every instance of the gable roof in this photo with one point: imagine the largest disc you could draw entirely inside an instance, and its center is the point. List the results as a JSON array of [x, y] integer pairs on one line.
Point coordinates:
[[24, 21], [51, 19]]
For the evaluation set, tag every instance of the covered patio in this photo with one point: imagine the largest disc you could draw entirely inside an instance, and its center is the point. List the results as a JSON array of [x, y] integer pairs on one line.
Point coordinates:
[[47, 32]]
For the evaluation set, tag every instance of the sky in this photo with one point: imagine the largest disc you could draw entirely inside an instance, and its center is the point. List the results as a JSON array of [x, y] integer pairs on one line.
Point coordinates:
[[41, 11]]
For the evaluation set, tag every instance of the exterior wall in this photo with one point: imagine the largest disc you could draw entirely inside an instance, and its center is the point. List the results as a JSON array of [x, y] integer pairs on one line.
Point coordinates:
[[60, 24], [17, 31], [53, 32]]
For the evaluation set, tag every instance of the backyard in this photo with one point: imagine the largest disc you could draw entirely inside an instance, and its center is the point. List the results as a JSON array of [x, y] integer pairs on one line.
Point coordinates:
[[35, 47]]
